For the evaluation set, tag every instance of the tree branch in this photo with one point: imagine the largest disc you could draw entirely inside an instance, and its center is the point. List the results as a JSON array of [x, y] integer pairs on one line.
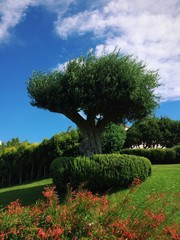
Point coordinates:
[[76, 118]]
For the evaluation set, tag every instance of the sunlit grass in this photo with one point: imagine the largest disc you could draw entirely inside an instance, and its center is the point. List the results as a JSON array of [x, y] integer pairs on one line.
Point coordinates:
[[164, 179]]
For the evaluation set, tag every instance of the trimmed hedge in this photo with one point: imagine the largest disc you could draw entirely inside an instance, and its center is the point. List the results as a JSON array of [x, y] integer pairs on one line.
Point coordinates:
[[155, 155], [99, 172], [177, 150]]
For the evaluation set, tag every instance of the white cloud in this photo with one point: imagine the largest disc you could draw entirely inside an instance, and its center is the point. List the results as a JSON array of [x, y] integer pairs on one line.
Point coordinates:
[[61, 66], [13, 11], [147, 29]]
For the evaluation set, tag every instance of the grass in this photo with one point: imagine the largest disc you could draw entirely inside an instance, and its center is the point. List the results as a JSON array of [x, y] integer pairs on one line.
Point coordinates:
[[165, 178], [27, 193]]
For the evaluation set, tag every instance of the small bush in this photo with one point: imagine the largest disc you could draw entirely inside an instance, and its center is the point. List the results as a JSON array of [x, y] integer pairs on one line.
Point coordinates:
[[113, 138], [155, 155], [99, 172]]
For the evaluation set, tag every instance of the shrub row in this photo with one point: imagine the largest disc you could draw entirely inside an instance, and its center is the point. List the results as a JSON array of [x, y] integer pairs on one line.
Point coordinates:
[[99, 172], [22, 162], [26, 162], [157, 155], [177, 151]]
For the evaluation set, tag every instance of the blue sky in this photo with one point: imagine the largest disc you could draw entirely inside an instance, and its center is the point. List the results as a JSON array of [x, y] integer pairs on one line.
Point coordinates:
[[45, 34]]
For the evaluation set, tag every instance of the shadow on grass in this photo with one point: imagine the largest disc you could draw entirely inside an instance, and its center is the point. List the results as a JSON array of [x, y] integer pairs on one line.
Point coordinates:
[[27, 196]]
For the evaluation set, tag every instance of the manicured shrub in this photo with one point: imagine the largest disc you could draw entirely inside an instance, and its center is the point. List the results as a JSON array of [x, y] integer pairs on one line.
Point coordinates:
[[155, 155], [99, 172], [177, 151], [138, 152]]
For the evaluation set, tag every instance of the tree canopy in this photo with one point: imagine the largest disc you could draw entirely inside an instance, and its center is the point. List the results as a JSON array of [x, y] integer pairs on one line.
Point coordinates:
[[110, 88], [154, 132]]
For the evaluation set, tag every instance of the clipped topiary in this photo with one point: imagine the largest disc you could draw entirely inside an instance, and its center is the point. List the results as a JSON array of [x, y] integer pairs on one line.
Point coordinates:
[[99, 172]]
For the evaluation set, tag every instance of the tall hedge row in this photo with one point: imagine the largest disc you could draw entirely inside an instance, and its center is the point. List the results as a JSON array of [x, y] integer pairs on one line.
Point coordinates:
[[99, 172], [24, 162], [157, 155]]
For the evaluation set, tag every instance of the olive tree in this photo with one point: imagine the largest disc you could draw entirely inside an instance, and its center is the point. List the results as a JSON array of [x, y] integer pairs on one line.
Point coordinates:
[[93, 91]]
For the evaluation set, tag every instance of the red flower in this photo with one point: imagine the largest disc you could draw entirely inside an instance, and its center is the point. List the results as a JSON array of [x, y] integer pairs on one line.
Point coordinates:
[[41, 233], [172, 231]]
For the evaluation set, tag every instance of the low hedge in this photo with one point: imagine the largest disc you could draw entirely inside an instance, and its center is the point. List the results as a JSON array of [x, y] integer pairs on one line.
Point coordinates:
[[177, 151], [155, 155], [99, 172]]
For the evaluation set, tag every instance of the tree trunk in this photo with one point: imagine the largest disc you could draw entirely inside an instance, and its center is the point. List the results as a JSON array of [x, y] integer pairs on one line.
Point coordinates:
[[10, 176], [27, 175], [32, 170], [91, 131], [20, 176], [44, 171], [2, 180], [91, 142], [39, 172]]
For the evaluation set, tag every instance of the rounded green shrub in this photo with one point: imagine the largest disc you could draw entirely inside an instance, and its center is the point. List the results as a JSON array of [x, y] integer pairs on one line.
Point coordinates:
[[99, 172], [113, 138]]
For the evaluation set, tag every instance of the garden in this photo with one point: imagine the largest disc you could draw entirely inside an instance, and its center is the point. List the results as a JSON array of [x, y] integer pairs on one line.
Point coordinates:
[[146, 210], [90, 182]]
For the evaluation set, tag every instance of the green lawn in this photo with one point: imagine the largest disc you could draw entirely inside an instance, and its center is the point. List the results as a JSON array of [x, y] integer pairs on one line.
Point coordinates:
[[165, 178], [27, 193]]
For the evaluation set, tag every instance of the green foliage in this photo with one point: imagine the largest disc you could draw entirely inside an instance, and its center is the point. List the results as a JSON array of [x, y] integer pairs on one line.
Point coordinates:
[[177, 150], [145, 132], [156, 155], [16, 164], [21, 161], [99, 172], [65, 143], [110, 88], [170, 130], [14, 142], [112, 75], [152, 132], [113, 138], [133, 137]]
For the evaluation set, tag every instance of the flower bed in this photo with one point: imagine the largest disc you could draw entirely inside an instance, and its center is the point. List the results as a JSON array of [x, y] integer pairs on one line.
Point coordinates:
[[88, 216]]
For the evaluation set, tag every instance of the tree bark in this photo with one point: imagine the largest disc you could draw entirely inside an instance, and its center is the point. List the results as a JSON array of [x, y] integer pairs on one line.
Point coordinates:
[[10, 176], [44, 171], [32, 170], [91, 142], [39, 172], [2, 180]]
